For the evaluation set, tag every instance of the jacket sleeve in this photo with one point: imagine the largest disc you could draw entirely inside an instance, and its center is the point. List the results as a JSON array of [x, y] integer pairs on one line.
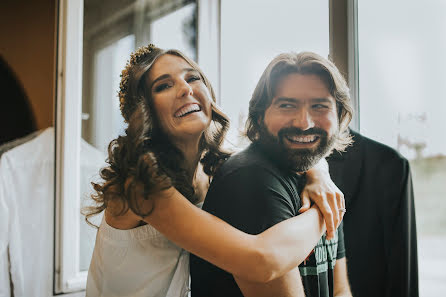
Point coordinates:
[[403, 271], [4, 245], [12, 254]]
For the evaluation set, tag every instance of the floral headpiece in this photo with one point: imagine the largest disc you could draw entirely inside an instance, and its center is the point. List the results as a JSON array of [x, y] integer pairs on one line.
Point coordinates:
[[135, 58]]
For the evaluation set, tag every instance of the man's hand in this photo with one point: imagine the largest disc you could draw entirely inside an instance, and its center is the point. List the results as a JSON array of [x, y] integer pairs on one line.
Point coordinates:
[[326, 195]]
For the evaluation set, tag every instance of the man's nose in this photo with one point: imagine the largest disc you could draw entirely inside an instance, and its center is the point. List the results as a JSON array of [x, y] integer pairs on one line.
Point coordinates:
[[184, 89], [303, 119]]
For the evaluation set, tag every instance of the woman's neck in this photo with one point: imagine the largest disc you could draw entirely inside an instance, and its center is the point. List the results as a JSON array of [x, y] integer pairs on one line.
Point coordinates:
[[198, 179], [192, 156]]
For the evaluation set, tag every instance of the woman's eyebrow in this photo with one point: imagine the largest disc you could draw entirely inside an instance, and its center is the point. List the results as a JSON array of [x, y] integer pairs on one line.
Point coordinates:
[[164, 76], [189, 69], [161, 77]]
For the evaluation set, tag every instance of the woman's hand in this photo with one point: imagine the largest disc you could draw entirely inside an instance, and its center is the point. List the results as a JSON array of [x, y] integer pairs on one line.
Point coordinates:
[[326, 195]]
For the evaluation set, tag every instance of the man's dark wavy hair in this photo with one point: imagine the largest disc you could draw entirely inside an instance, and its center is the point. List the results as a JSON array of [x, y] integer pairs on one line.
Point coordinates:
[[144, 155], [301, 63]]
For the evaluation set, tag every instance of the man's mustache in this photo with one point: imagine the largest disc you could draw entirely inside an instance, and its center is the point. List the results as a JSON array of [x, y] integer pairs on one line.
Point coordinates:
[[299, 132]]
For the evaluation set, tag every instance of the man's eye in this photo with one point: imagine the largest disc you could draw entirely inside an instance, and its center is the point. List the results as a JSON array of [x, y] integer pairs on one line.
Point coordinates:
[[320, 106], [286, 105], [193, 78], [161, 87]]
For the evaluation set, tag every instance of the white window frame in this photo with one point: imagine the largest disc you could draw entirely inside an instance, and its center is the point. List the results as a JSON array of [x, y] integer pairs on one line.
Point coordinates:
[[208, 47], [353, 61], [67, 277]]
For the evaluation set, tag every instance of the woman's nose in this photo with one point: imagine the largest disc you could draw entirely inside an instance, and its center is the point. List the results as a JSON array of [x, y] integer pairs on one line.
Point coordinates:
[[184, 90]]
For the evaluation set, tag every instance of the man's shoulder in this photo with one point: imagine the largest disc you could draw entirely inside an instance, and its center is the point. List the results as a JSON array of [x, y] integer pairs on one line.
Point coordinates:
[[252, 170], [249, 159], [251, 194], [370, 149]]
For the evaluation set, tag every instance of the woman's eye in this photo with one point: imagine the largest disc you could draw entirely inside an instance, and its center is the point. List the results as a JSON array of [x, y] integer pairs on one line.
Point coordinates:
[[193, 78], [161, 87]]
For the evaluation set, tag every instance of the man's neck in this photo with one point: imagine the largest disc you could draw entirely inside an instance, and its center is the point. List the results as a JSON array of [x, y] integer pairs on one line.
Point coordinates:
[[275, 158]]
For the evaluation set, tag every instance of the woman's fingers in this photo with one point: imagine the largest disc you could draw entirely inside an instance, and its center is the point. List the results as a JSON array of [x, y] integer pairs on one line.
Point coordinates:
[[334, 205], [341, 203], [327, 212], [306, 203], [330, 201], [322, 200]]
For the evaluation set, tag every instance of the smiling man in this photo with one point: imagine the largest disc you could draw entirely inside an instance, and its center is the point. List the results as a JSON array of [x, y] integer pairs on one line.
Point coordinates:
[[298, 114]]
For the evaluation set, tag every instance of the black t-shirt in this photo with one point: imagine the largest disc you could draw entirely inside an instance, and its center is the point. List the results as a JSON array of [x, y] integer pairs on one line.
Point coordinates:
[[252, 193]]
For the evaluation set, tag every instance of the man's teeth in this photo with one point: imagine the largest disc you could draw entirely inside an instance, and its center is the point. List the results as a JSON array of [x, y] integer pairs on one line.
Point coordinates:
[[302, 139], [187, 109]]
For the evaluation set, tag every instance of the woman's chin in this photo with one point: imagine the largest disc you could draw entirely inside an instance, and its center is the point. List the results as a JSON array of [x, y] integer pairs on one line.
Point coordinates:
[[191, 129]]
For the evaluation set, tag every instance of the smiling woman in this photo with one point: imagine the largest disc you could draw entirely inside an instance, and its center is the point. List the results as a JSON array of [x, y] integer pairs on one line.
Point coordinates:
[[155, 85], [180, 98]]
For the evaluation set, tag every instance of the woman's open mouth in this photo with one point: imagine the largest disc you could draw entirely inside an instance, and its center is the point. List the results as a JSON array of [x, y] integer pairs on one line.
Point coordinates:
[[187, 110]]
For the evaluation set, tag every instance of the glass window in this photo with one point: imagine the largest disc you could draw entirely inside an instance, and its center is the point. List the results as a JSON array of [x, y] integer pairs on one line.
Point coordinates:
[[401, 79], [253, 32], [177, 30], [102, 123]]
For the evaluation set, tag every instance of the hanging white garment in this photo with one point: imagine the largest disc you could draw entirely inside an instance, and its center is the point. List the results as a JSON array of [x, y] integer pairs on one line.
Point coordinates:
[[27, 174], [27, 190], [11, 280]]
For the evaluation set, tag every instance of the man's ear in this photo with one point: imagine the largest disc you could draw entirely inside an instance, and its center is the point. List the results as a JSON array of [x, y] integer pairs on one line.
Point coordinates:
[[260, 120], [339, 110]]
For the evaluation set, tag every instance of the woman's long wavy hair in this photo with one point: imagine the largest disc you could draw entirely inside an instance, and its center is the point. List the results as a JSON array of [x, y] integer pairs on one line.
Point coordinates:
[[144, 161]]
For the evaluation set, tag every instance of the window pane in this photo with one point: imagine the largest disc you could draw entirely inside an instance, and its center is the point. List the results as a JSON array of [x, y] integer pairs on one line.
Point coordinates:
[[402, 104], [106, 123], [111, 33], [177, 30], [253, 32]]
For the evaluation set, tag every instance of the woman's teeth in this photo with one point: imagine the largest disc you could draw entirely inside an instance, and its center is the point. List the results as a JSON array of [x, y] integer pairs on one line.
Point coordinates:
[[186, 110]]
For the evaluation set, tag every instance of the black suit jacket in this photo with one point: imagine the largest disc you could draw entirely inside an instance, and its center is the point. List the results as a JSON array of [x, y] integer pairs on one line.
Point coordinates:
[[379, 226]]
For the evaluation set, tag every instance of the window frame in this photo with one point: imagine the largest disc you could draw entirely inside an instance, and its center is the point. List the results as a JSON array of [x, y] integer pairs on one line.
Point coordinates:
[[67, 277], [344, 48], [353, 61]]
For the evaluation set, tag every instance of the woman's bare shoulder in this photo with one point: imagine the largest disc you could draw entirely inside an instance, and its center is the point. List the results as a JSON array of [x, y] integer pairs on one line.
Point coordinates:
[[118, 220]]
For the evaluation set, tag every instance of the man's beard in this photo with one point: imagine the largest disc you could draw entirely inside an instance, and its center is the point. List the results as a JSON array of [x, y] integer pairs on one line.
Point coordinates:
[[296, 159]]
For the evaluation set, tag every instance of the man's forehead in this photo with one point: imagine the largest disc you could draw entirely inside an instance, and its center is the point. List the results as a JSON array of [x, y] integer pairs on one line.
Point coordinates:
[[302, 87], [279, 99]]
